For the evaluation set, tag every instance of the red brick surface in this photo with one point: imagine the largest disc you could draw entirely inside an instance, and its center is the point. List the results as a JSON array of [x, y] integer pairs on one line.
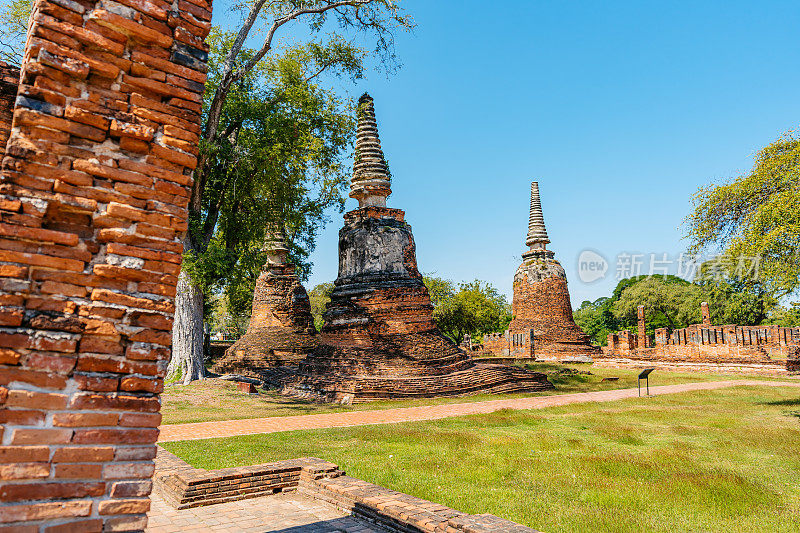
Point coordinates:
[[93, 199]]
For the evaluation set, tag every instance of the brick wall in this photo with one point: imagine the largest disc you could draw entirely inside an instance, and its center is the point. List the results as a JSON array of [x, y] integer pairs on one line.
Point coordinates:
[[721, 345], [93, 204]]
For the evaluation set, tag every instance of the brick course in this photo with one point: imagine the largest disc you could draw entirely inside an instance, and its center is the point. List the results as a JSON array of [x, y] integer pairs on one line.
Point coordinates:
[[93, 200]]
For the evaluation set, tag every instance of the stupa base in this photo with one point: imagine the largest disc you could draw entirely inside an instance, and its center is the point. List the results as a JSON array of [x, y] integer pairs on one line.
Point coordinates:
[[474, 379]]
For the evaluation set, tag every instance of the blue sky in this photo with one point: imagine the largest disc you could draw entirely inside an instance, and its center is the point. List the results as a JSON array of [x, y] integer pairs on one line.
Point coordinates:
[[620, 110]]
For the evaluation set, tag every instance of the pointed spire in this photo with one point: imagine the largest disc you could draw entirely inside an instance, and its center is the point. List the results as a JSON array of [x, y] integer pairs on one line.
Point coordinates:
[[537, 233], [371, 182]]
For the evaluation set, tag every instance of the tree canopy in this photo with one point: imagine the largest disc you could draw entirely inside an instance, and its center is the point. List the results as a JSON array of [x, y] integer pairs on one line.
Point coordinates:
[[754, 219], [474, 308]]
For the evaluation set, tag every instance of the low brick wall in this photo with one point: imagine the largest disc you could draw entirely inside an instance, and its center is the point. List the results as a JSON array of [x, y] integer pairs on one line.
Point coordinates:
[[184, 486]]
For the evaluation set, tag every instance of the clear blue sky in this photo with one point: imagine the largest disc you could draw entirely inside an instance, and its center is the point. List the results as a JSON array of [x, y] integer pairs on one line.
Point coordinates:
[[620, 110]]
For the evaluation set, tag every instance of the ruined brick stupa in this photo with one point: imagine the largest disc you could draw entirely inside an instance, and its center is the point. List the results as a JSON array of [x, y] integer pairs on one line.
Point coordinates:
[[281, 330], [379, 339], [541, 307]]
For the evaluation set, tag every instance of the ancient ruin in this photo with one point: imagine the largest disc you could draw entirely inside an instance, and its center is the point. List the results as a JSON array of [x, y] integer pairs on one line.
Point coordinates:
[[281, 330], [379, 339], [93, 198], [764, 349], [542, 326]]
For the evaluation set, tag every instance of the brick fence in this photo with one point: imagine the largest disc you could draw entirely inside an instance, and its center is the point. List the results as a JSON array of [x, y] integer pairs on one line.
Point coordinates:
[[93, 199]]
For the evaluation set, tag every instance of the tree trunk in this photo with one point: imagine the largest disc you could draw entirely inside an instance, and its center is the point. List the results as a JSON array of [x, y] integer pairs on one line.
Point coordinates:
[[187, 361]]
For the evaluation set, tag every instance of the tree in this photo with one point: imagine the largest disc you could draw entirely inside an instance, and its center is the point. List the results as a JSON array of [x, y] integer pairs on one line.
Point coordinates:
[[14, 16], [667, 303], [319, 297], [439, 289], [597, 319], [754, 219], [475, 309], [241, 80], [281, 164], [732, 300]]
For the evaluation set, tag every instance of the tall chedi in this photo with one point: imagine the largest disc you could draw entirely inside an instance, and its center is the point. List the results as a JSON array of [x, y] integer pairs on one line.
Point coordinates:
[[379, 339], [281, 330], [541, 307]]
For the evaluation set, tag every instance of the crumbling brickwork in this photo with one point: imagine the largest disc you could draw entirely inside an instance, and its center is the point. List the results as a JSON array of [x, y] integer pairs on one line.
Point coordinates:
[[379, 339], [767, 348], [281, 330], [95, 186], [542, 326]]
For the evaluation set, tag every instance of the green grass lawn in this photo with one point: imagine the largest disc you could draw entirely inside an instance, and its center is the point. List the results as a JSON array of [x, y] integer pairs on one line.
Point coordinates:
[[215, 399], [724, 460]]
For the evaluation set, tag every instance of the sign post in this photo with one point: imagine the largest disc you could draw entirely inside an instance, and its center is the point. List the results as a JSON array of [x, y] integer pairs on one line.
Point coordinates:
[[645, 375]]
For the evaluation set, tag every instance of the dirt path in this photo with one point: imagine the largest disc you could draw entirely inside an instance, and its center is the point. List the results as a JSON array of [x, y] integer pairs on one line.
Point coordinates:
[[230, 428]]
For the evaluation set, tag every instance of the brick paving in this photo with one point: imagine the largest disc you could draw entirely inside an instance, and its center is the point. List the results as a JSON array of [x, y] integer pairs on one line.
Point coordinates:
[[230, 428], [284, 513]]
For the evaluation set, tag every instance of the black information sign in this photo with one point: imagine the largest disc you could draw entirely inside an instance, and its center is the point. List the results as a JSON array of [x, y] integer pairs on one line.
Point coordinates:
[[645, 375]]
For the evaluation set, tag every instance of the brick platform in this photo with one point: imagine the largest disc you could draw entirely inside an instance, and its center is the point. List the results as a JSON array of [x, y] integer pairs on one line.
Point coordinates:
[[184, 486]]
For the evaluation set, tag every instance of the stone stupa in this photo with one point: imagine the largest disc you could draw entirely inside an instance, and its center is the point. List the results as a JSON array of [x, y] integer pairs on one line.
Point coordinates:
[[281, 330], [541, 305], [379, 339]]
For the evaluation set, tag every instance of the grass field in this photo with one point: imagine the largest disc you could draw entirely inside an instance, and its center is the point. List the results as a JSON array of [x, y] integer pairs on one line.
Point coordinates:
[[723, 460], [210, 400]]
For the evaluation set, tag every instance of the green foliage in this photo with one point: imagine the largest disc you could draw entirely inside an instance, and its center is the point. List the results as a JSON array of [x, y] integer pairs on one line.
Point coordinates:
[[666, 303], [14, 15], [597, 319], [475, 309], [319, 297], [223, 319], [734, 300], [788, 317], [756, 215]]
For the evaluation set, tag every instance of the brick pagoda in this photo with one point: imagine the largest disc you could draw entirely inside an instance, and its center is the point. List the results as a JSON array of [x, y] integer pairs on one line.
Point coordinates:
[[281, 330], [379, 339], [543, 326]]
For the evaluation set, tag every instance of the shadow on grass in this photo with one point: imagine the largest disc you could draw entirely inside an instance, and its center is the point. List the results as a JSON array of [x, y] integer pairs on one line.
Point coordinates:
[[784, 403]]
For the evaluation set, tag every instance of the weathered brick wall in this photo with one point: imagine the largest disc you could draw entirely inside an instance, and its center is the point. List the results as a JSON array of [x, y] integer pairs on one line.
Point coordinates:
[[544, 307], [728, 344], [281, 330], [92, 209]]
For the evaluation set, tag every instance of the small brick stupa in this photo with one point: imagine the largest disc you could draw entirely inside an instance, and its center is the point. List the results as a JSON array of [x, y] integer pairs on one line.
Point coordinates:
[[281, 330], [541, 307], [379, 339]]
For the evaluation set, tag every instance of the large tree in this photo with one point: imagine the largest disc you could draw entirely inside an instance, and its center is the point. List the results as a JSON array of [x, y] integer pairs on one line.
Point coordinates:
[[474, 309], [672, 303], [243, 82], [754, 220]]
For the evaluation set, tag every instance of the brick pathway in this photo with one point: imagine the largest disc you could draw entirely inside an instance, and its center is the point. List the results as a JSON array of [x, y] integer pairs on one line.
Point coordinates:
[[230, 428], [284, 513]]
